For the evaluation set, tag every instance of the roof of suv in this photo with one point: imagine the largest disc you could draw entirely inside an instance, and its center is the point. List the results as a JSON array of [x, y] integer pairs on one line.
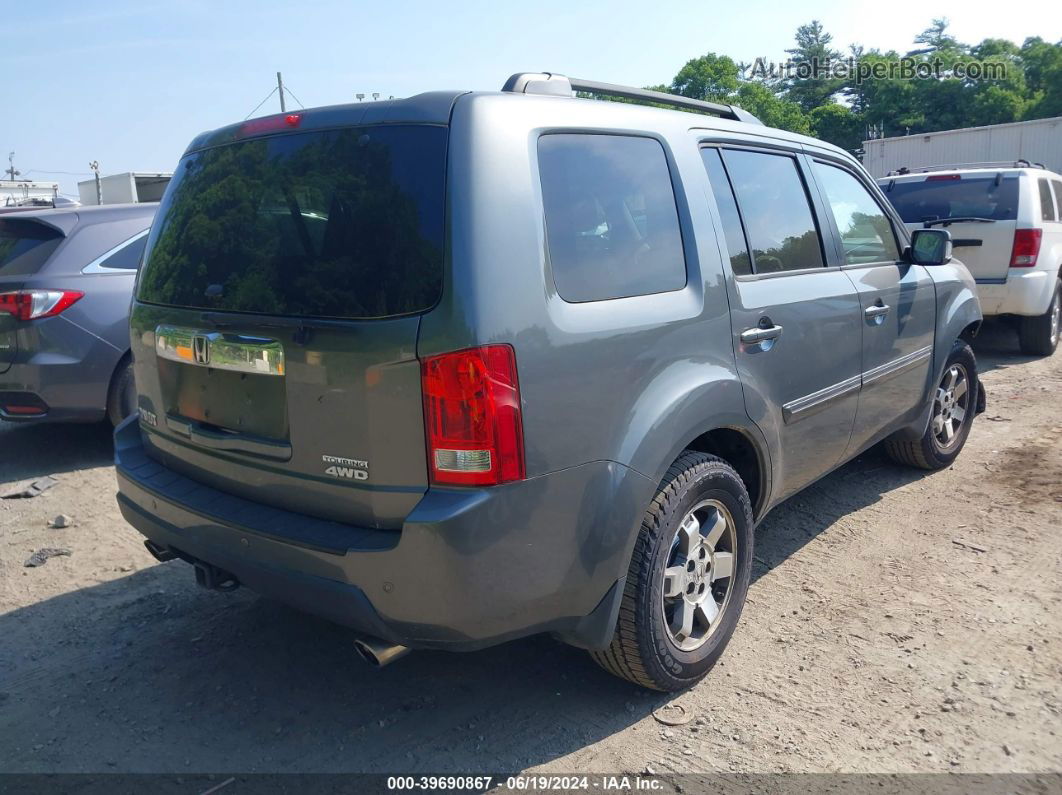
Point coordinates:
[[985, 170], [435, 107], [67, 218]]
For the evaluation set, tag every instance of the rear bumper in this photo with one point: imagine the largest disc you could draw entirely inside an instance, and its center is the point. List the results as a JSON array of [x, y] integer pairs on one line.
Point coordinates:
[[470, 567], [63, 368], [1024, 292]]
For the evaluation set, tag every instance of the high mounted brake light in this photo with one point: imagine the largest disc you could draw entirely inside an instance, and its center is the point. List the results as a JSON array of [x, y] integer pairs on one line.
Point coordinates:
[[270, 124], [34, 304], [943, 178], [472, 417], [1026, 248]]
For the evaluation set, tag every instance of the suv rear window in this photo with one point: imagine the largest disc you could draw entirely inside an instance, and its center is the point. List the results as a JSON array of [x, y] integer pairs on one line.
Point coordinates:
[[342, 224], [25, 246], [946, 197]]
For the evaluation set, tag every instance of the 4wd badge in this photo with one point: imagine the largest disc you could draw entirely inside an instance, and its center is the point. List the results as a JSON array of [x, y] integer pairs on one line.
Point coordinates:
[[350, 468]]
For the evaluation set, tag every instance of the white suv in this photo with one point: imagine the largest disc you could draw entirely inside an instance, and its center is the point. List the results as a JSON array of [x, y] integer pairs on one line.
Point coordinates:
[[1006, 226]]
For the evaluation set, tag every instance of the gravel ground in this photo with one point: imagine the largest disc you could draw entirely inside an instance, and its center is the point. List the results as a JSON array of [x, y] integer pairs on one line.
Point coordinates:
[[897, 622]]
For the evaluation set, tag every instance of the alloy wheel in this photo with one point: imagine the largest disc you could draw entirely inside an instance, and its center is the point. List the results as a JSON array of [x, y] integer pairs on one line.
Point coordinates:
[[1056, 312], [699, 574], [950, 406]]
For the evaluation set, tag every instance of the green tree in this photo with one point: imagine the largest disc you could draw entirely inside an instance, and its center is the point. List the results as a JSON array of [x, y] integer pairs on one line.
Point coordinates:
[[837, 124], [1042, 63], [772, 110], [936, 39], [711, 77], [813, 49]]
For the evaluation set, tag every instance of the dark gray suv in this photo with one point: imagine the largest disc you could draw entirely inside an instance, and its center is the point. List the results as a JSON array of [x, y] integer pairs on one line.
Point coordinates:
[[466, 367], [66, 280]]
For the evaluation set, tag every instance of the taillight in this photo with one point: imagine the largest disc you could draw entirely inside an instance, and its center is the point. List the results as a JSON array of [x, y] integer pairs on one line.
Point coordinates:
[[1026, 248], [472, 417], [33, 304]]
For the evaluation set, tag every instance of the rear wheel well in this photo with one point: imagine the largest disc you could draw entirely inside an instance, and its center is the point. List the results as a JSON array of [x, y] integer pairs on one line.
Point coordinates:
[[736, 449], [114, 406]]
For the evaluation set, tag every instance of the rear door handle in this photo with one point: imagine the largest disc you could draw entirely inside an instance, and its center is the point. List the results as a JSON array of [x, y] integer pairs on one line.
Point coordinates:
[[752, 336], [876, 311]]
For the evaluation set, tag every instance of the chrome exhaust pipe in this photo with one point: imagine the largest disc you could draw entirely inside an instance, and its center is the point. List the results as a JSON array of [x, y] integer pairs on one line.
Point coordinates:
[[378, 653]]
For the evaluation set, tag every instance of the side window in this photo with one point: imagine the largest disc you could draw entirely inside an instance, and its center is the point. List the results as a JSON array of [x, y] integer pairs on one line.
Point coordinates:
[[774, 205], [1047, 204], [736, 244], [865, 230], [1057, 185], [612, 225], [128, 256]]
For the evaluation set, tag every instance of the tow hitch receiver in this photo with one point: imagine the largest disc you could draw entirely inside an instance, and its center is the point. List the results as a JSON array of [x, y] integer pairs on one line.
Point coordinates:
[[214, 579]]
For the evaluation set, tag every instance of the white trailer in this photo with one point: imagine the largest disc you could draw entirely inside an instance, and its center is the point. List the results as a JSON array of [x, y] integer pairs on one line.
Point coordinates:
[[1038, 141], [14, 193], [129, 186]]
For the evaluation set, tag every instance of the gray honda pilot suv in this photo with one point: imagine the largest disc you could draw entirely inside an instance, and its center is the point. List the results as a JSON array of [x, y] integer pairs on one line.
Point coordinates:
[[466, 367]]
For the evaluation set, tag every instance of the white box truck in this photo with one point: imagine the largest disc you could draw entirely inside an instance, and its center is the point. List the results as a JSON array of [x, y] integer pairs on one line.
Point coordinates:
[[1036, 142], [130, 186]]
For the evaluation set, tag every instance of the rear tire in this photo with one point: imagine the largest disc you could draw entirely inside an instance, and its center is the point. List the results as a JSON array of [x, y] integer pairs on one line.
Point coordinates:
[[1039, 335], [121, 401], [688, 577], [955, 402]]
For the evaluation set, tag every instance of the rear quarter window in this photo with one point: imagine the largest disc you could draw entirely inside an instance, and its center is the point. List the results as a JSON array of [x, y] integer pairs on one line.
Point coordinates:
[[612, 225], [1047, 202], [127, 255]]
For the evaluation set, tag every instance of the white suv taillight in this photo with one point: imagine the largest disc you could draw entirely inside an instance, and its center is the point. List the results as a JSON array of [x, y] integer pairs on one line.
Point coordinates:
[[34, 304], [1026, 248]]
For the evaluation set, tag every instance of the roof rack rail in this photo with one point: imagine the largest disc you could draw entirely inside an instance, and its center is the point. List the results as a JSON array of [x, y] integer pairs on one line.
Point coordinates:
[[1020, 163], [553, 84]]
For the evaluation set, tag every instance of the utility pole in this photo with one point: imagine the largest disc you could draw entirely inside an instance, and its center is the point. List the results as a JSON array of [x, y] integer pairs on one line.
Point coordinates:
[[11, 171], [95, 166], [280, 91]]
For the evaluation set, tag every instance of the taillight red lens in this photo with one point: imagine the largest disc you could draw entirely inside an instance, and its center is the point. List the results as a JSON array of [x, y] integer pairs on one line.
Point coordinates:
[[472, 417], [34, 304], [1026, 248]]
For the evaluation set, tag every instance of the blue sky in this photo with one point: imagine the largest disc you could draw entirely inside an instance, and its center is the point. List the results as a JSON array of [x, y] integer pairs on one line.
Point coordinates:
[[130, 82]]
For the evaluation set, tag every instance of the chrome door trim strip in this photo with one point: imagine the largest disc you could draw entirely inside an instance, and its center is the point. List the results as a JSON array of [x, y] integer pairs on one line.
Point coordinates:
[[236, 352], [808, 405], [888, 370], [796, 410]]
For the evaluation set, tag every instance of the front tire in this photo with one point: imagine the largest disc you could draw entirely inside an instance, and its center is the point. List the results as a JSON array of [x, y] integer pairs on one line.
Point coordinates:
[[1039, 335], [688, 577], [954, 407]]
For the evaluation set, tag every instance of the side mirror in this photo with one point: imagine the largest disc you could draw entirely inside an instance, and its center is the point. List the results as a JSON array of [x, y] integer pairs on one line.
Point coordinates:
[[930, 247]]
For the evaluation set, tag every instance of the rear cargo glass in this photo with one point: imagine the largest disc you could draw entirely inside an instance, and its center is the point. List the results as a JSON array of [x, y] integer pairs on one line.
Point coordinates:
[[932, 199], [25, 246], [339, 224]]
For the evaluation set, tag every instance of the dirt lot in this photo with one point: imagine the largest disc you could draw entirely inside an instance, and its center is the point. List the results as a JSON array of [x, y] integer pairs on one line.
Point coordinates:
[[897, 622]]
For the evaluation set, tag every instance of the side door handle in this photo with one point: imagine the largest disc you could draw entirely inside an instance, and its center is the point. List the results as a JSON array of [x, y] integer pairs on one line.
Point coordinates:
[[877, 310], [761, 333]]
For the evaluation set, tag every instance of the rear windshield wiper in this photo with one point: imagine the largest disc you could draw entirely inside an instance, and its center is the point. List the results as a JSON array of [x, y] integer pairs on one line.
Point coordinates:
[[967, 219]]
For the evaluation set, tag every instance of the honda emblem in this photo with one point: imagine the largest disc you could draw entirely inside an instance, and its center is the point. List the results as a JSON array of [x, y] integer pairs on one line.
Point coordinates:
[[201, 349]]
